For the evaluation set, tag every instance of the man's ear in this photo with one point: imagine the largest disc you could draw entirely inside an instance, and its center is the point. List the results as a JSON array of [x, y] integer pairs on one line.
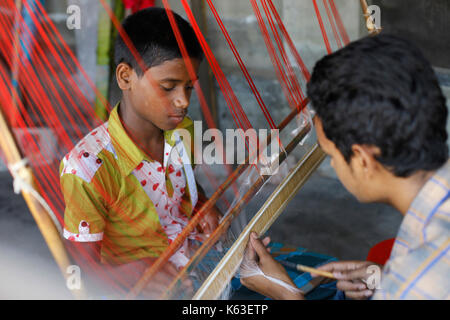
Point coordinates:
[[364, 158], [124, 74]]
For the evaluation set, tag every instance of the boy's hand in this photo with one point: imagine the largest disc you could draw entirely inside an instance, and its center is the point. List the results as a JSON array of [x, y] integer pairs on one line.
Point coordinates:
[[161, 281], [352, 277], [258, 252], [210, 222]]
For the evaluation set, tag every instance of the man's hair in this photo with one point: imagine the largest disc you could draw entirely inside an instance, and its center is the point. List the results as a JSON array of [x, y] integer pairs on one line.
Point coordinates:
[[381, 91], [151, 33]]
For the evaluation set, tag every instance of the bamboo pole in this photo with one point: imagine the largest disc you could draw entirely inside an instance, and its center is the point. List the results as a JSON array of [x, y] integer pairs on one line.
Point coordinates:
[[40, 215], [173, 247], [371, 27]]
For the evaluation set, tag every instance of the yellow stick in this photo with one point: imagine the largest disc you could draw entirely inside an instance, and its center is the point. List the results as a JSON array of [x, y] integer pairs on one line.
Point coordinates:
[[315, 271]]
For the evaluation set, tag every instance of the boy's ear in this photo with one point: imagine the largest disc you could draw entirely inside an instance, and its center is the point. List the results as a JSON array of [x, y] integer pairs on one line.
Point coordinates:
[[124, 73], [364, 157]]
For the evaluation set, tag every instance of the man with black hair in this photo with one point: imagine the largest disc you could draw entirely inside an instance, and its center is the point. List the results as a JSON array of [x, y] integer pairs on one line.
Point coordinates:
[[381, 117], [129, 186]]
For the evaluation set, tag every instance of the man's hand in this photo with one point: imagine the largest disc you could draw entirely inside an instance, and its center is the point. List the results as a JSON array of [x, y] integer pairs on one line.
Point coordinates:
[[352, 277], [258, 253]]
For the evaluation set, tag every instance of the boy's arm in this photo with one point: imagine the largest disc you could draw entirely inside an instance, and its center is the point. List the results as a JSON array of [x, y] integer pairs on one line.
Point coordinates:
[[211, 220], [84, 222]]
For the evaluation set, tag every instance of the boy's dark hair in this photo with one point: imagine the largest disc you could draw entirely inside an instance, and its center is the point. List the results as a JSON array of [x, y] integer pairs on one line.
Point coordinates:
[[381, 91], [151, 34]]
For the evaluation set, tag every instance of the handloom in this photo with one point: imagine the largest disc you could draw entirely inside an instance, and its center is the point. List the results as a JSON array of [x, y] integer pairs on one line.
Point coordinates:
[[50, 96]]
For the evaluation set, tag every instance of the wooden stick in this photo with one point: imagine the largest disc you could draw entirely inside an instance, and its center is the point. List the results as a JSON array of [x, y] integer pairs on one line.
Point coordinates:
[[315, 271], [304, 268]]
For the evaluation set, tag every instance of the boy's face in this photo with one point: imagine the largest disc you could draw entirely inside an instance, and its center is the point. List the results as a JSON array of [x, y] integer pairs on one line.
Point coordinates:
[[162, 95], [351, 175]]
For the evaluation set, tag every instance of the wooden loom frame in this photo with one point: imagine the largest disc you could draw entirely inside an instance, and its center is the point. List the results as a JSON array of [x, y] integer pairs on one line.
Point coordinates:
[[216, 282]]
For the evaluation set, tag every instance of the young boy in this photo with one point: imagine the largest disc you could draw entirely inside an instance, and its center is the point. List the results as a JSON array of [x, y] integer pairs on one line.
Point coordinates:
[[381, 117], [128, 185]]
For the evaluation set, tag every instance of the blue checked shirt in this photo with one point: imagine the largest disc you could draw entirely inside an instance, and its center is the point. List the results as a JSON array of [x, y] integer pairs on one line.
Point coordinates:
[[419, 265]]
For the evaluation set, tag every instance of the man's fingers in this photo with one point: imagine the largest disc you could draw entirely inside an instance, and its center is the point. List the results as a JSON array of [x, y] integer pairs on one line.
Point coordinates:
[[266, 242], [352, 274], [258, 245], [342, 265], [346, 270], [251, 254], [359, 295], [348, 286]]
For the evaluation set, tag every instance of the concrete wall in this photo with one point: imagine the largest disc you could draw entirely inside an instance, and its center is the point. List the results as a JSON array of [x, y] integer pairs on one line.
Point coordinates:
[[241, 23], [303, 26], [425, 23]]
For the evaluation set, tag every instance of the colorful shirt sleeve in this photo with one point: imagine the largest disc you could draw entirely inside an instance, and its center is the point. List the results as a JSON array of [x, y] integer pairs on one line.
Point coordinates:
[[420, 274], [84, 216]]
